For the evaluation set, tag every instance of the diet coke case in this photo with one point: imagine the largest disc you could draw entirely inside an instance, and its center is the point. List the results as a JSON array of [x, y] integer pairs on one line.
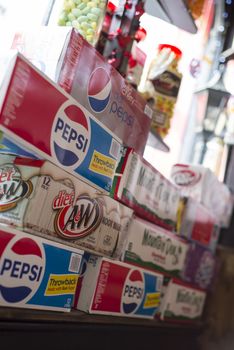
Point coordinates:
[[42, 117], [99, 87], [116, 288], [36, 273]]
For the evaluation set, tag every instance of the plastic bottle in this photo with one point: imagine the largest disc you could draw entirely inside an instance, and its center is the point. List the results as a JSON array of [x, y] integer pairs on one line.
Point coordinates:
[[162, 86]]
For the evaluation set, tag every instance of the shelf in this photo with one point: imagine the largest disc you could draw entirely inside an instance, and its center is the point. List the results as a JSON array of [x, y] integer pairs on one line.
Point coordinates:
[[40, 330], [172, 11], [157, 142], [78, 317]]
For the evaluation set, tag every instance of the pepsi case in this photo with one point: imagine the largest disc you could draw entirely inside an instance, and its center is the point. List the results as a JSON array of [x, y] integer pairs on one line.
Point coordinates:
[[36, 273], [43, 118], [98, 86], [116, 288]]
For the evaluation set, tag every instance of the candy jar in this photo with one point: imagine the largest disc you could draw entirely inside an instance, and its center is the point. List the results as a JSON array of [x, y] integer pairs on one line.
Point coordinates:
[[84, 15]]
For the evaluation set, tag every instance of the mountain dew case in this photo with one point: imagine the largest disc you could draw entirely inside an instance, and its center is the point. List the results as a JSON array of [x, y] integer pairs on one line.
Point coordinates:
[[116, 288], [154, 248], [41, 117], [181, 302], [36, 273], [141, 187]]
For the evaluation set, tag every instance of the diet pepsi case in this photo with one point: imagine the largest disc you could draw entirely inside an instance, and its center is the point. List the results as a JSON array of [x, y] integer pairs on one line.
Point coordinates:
[[99, 87]]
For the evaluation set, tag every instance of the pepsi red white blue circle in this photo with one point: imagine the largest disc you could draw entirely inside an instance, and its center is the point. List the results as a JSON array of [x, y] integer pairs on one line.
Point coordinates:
[[133, 292], [21, 269], [99, 90], [70, 135]]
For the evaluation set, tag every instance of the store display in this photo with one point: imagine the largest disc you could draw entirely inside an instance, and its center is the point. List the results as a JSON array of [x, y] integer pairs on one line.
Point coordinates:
[[200, 267], [182, 303], [202, 185], [97, 86], [199, 225], [151, 247], [141, 187], [86, 16], [36, 273], [61, 130], [162, 86], [73, 176], [116, 288]]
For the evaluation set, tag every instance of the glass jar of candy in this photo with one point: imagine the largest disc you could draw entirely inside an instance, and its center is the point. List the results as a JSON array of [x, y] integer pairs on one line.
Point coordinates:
[[84, 15]]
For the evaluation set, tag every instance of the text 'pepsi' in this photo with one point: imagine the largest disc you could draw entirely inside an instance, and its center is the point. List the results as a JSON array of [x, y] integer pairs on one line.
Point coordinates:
[[29, 278], [61, 130]]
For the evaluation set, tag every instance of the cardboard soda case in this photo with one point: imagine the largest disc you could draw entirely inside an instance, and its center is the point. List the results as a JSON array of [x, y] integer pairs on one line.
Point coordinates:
[[45, 200], [141, 187], [199, 225], [18, 180], [200, 267], [42, 117], [154, 248], [36, 273], [181, 302], [201, 184], [116, 288], [99, 87]]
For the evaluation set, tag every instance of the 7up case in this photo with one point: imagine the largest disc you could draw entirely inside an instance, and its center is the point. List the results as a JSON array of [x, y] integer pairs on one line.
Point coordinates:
[[154, 248], [36, 273], [116, 288], [41, 117]]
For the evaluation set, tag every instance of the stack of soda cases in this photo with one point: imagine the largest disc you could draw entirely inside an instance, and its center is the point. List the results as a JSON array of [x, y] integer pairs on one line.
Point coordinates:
[[77, 192]]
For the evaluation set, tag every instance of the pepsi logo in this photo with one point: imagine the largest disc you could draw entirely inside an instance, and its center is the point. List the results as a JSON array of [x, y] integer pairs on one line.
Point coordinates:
[[79, 220], [70, 136], [21, 269], [186, 177], [133, 292], [99, 90]]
